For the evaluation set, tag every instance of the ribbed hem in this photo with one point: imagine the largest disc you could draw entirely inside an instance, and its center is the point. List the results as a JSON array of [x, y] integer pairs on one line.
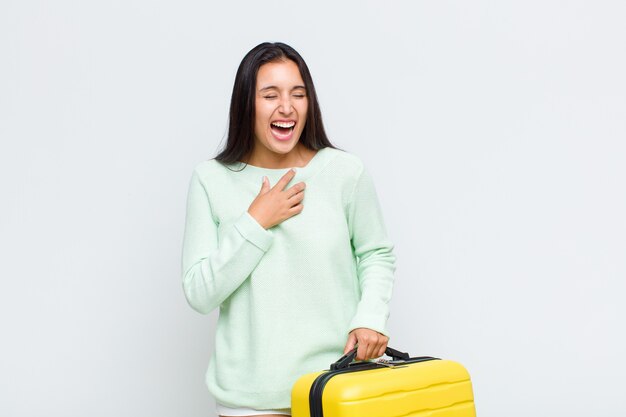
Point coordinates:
[[372, 322], [256, 400], [251, 230], [223, 410]]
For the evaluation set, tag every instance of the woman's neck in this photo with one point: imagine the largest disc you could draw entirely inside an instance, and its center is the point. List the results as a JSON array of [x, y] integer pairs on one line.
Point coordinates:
[[299, 156]]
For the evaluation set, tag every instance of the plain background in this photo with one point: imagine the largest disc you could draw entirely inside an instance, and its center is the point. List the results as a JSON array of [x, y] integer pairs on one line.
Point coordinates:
[[495, 132]]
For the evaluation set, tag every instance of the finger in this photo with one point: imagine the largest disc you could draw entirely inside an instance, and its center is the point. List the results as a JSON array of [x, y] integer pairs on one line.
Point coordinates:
[[371, 350], [361, 353], [292, 211], [265, 185], [295, 190], [382, 349], [379, 350], [350, 344], [284, 180], [378, 341], [296, 198]]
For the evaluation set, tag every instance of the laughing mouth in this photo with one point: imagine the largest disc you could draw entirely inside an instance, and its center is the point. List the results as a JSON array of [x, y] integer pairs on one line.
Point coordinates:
[[283, 128]]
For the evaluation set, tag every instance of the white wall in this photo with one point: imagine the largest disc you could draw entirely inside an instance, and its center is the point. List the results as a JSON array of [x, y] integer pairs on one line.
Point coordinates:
[[494, 130]]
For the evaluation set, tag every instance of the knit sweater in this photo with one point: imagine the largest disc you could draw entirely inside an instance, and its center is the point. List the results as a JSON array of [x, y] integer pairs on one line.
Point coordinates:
[[289, 295]]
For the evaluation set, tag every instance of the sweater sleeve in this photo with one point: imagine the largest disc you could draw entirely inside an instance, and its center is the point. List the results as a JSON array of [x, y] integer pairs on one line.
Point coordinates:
[[213, 268], [375, 257]]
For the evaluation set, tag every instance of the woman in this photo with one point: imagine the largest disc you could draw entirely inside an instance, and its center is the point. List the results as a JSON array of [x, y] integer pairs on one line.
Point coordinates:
[[298, 281]]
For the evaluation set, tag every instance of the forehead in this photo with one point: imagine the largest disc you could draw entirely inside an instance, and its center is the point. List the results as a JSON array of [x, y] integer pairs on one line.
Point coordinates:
[[280, 74]]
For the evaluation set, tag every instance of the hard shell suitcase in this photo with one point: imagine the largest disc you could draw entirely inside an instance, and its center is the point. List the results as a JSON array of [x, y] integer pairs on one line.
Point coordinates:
[[404, 386]]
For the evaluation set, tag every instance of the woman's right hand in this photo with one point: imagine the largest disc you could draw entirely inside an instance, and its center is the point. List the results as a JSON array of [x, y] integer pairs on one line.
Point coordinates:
[[275, 205]]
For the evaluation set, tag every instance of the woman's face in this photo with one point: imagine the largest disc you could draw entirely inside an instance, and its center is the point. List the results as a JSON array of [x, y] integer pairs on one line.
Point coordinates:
[[281, 106]]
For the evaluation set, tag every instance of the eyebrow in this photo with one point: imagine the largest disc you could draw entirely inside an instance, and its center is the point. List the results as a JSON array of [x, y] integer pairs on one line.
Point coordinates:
[[269, 87]]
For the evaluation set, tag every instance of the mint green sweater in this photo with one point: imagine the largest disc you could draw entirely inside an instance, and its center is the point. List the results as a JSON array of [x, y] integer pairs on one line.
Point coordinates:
[[288, 296]]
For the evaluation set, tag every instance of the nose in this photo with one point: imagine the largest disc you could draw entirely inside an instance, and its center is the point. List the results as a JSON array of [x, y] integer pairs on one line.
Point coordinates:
[[285, 106]]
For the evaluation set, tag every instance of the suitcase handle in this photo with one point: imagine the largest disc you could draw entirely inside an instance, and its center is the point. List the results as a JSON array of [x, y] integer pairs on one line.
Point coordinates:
[[346, 359]]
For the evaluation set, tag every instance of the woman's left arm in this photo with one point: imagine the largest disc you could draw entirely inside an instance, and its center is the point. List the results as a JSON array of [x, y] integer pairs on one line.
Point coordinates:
[[375, 269]]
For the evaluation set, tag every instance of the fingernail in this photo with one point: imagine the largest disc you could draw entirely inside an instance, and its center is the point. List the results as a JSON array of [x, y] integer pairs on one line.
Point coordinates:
[[293, 169]]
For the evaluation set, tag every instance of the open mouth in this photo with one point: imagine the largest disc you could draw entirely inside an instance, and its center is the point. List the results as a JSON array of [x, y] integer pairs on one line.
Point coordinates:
[[282, 130]]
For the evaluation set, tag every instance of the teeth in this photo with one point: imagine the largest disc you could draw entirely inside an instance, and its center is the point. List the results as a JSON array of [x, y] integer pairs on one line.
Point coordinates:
[[284, 124]]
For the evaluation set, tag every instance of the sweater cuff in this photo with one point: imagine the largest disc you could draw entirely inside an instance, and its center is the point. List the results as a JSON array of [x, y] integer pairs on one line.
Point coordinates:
[[372, 322], [252, 231]]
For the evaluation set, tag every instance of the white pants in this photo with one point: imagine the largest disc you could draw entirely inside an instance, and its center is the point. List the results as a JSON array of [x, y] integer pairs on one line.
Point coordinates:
[[223, 410]]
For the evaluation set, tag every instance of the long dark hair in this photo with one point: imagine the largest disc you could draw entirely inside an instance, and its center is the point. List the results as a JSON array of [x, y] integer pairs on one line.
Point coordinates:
[[242, 104]]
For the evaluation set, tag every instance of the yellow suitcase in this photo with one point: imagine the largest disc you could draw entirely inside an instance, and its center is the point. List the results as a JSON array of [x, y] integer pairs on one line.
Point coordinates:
[[403, 386]]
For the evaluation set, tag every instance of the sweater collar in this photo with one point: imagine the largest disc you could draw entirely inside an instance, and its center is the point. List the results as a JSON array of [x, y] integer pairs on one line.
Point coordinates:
[[255, 174]]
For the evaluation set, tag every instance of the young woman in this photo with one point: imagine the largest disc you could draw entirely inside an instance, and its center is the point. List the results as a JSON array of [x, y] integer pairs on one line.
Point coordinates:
[[299, 281]]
